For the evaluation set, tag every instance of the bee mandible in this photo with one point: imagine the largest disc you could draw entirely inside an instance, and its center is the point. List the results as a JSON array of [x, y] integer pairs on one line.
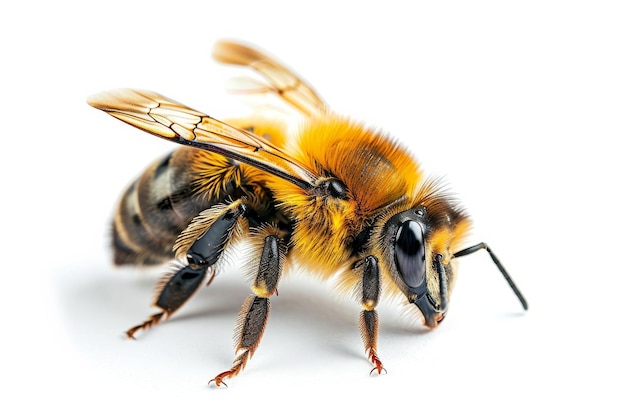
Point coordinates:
[[333, 196]]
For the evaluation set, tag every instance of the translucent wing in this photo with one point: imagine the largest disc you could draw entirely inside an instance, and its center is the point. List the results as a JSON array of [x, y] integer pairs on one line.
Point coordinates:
[[173, 121], [281, 81]]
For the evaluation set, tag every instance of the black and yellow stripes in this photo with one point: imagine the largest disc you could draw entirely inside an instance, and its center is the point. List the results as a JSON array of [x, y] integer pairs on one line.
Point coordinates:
[[161, 203]]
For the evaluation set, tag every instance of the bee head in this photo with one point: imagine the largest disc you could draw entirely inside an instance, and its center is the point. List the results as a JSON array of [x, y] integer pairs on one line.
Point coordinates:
[[418, 257]]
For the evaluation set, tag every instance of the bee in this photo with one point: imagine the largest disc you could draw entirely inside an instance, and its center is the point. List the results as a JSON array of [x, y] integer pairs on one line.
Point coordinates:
[[334, 196]]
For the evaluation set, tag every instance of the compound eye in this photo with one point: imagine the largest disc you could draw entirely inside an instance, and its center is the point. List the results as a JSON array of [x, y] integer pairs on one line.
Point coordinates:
[[410, 253]]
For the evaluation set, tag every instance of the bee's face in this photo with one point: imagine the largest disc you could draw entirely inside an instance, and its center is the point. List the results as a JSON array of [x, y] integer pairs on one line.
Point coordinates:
[[419, 261]]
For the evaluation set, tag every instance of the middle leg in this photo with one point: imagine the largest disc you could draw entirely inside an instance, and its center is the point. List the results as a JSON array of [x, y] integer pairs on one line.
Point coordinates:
[[255, 311]]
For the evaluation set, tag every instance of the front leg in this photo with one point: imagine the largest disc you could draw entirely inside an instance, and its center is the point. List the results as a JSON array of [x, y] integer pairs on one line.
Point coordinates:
[[370, 294], [255, 311]]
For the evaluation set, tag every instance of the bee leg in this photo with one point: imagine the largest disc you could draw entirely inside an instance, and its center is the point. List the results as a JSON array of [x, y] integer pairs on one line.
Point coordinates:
[[370, 294], [255, 310], [175, 289]]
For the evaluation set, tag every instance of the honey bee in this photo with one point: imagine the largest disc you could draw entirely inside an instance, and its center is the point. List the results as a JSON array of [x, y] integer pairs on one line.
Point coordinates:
[[334, 196]]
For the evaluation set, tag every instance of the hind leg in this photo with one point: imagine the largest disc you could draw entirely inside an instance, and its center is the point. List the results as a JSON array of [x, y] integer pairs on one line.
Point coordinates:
[[202, 243]]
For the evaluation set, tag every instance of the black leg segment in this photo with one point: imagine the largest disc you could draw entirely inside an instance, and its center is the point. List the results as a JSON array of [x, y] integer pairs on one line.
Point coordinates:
[[179, 288], [207, 248], [270, 267]]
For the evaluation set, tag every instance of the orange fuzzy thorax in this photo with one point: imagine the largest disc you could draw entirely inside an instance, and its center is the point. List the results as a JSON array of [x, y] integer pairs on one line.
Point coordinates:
[[375, 170]]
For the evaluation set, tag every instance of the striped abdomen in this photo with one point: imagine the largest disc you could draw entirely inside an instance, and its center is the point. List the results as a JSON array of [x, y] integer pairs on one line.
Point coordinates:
[[156, 208]]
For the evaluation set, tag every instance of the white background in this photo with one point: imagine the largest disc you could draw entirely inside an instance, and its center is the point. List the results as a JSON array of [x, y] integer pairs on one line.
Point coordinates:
[[521, 107]]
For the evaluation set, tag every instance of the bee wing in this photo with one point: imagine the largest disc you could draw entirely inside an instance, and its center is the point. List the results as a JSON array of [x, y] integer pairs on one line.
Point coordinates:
[[281, 80], [173, 121]]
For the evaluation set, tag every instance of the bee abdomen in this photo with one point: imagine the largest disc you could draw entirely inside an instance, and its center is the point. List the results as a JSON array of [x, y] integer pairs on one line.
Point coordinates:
[[155, 209]]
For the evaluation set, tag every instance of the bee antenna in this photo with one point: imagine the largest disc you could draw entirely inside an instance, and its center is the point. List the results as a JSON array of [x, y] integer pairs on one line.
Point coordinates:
[[495, 259]]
